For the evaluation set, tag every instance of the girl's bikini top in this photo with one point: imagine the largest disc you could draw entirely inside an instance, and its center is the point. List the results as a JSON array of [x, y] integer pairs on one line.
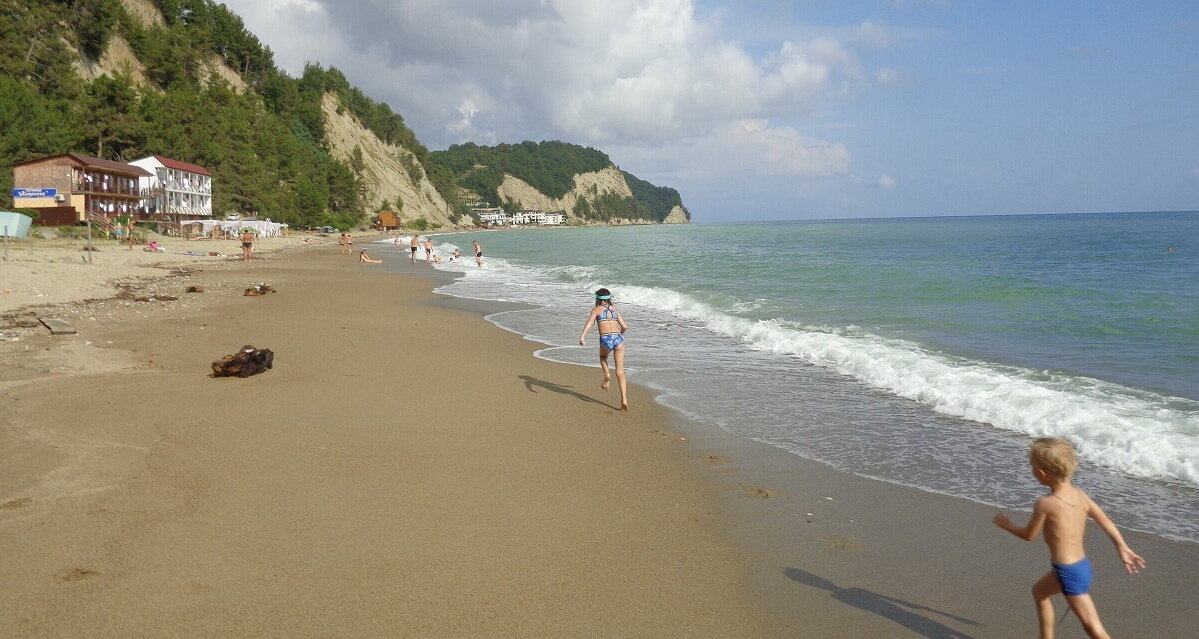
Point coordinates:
[[608, 319]]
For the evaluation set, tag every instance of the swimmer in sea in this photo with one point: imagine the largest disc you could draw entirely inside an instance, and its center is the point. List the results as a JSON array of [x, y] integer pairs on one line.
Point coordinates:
[[611, 329], [478, 253]]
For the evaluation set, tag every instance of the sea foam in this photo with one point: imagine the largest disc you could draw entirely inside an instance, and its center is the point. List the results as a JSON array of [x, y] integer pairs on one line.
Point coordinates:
[[1130, 430]]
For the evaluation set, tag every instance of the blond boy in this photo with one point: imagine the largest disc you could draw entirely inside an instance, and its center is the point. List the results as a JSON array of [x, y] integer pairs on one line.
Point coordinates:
[[1063, 516]]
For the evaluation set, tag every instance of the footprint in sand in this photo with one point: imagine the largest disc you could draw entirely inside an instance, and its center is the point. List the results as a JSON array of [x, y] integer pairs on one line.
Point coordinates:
[[717, 459], [842, 543], [19, 502], [78, 574], [760, 493]]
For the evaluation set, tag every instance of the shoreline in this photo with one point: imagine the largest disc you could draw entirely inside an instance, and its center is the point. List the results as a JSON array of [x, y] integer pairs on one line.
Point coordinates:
[[841, 543], [877, 560], [382, 480]]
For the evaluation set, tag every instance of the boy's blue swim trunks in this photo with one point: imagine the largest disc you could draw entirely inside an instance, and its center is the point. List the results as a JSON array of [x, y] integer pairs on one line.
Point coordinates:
[[1075, 578]]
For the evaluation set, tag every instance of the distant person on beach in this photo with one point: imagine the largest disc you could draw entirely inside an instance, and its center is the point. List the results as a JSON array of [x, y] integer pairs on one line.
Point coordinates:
[[428, 249], [611, 329], [343, 244], [414, 244], [247, 245], [1063, 515], [457, 254], [478, 253], [363, 257]]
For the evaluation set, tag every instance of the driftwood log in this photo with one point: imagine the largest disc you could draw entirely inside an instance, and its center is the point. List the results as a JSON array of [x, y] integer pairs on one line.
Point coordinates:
[[244, 363]]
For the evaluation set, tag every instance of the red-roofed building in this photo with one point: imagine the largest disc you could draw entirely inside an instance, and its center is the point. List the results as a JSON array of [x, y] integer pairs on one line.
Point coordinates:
[[180, 191], [70, 188]]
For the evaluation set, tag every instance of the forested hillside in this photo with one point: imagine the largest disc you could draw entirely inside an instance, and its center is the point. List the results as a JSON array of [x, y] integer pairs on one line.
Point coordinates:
[[122, 79], [550, 167], [264, 146]]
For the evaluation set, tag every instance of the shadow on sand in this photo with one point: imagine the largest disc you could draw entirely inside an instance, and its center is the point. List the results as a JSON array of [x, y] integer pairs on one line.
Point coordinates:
[[532, 383], [897, 610]]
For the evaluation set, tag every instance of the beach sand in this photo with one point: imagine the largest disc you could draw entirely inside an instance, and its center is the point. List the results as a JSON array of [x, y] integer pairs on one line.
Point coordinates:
[[43, 272], [409, 470], [405, 470]]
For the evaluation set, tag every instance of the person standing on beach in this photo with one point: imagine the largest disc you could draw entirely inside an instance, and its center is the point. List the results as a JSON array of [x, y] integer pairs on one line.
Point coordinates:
[[428, 249], [611, 329], [247, 245], [478, 253], [414, 244]]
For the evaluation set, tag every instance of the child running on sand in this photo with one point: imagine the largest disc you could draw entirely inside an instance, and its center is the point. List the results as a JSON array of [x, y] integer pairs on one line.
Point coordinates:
[[1063, 515], [611, 328]]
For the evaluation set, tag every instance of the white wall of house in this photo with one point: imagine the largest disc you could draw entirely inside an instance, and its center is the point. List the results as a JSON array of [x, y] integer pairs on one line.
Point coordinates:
[[183, 193]]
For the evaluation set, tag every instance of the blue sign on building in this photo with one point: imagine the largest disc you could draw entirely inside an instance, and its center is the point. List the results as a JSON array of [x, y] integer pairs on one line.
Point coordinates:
[[34, 192]]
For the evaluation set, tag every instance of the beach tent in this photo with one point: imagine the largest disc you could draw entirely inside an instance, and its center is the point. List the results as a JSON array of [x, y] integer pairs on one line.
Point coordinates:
[[14, 224], [261, 228]]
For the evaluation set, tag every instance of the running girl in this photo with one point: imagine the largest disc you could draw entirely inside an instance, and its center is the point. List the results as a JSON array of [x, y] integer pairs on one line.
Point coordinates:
[[611, 329]]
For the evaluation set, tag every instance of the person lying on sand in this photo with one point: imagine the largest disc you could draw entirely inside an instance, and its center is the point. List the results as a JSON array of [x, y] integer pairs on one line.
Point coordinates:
[[363, 257]]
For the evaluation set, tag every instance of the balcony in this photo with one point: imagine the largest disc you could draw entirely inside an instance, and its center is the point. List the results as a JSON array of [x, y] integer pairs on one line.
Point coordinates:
[[99, 187], [186, 186]]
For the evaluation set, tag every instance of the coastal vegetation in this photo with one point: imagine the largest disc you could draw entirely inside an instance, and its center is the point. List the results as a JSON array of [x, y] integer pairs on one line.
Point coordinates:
[[197, 86], [550, 167]]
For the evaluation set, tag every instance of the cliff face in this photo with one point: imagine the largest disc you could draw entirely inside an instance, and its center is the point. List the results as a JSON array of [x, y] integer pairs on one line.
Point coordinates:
[[388, 172], [553, 175], [119, 57], [678, 215], [587, 186]]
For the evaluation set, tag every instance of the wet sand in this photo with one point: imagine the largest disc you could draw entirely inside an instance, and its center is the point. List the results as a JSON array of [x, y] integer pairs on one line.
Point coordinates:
[[405, 470], [410, 470]]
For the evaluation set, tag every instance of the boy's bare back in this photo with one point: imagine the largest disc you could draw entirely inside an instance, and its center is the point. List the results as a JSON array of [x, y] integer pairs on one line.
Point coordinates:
[[1066, 512]]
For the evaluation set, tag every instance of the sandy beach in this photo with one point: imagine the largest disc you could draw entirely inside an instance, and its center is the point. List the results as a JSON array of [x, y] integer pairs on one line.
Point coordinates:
[[410, 470], [405, 470]]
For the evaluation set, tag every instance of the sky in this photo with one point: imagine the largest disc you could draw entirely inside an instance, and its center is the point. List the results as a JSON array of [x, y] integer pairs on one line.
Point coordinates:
[[801, 109]]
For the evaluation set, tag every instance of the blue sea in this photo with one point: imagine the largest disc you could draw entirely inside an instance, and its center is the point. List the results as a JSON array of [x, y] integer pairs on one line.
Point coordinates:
[[927, 352]]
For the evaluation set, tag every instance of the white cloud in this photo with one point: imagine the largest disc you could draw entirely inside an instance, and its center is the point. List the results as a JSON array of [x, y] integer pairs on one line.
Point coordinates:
[[876, 34], [886, 182], [652, 74], [754, 145], [889, 77]]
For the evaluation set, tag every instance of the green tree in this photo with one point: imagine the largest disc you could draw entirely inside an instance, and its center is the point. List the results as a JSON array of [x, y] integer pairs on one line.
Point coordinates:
[[110, 127]]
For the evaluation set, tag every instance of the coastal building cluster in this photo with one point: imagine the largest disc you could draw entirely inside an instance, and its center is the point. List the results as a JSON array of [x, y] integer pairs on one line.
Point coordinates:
[[494, 217], [71, 188]]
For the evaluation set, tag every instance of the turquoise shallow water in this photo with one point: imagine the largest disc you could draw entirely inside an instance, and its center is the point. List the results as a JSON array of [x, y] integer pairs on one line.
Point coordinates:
[[921, 351]]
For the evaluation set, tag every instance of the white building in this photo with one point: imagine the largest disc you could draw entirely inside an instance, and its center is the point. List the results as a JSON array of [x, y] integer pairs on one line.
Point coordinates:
[[179, 190], [493, 217], [539, 218]]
